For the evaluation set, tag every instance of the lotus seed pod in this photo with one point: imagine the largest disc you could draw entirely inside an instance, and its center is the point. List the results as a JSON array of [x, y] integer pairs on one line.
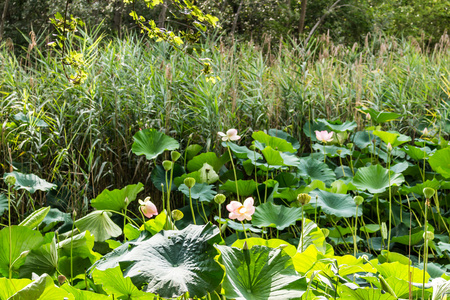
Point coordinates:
[[189, 182], [177, 215], [61, 279], [303, 198], [219, 198], [429, 236], [358, 200], [175, 155], [349, 146], [428, 192], [167, 165], [10, 180]]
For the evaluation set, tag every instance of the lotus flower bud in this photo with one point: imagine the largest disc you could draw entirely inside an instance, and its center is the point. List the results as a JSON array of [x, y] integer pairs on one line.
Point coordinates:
[[428, 192], [167, 165], [189, 182], [389, 147], [10, 180], [303, 198], [358, 200], [350, 146], [219, 198], [177, 214], [175, 155], [365, 257], [429, 236], [368, 116]]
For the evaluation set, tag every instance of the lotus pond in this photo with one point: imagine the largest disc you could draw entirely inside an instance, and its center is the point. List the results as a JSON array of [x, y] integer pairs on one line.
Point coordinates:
[[364, 215]]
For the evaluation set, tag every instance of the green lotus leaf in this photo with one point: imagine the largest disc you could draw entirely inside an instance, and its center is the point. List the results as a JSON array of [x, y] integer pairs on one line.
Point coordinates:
[[394, 138], [23, 239], [43, 259], [246, 187], [79, 245], [157, 224], [338, 205], [418, 188], [312, 169], [207, 174], [115, 199], [172, 263], [158, 177], [210, 158], [99, 224], [288, 194], [3, 204], [271, 243], [272, 157], [417, 153], [178, 181], [400, 167], [201, 191], [286, 180], [151, 143], [54, 217], [375, 179], [75, 267], [131, 232], [11, 286], [363, 139], [338, 125], [312, 235], [237, 226], [35, 218], [366, 293], [260, 273], [84, 295], [401, 271], [277, 216], [243, 152], [42, 288], [114, 283], [285, 136], [30, 182], [273, 142], [332, 150], [382, 116], [192, 150], [440, 162]]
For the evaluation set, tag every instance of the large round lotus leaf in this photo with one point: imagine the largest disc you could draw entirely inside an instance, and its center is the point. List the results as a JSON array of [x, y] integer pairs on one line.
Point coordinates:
[[79, 245], [151, 143], [313, 169], [285, 136], [246, 187], [172, 263], [393, 138], [30, 182], [201, 191], [338, 125], [274, 142], [260, 273], [43, 259], [440, 162], [271, 243], [115, 199], [417, 153], [338, 205], [3, 203], [42, 288], [11, 286], [114, 283], [278, 216], [99, 224], [375, 179], [311, 235], [272, 156], [85, 295], [243, 152], [23, 239]]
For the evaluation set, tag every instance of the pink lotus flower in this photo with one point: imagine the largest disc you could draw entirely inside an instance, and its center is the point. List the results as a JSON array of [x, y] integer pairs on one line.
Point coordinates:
[[231, 135], [241, 211], [324, 136], [148, 208]]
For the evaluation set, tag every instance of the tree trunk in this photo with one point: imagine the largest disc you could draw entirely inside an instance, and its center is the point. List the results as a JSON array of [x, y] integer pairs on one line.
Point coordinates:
[[329, 10], [301, 26], [2, 22], [118, 17], [162, 15], [233, 29]]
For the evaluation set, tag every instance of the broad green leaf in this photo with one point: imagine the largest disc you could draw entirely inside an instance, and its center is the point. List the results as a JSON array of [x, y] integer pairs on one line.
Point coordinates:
[[311, 235], [401, 271], [180, 180], [114, 283], [158, 177], [394, 138], [43, 259], [99, 224], [10, 286], [381, 117], [246, 187], [192, 150], [243, 152], [366, 293], [43, 288], [260, 273], [3, 203], [289, 194], [277, 216], [207, 174], [35, 218], [84, 295], [418, 188], [332, 150], [201, 191], [274, 142], [285, 136], [312, 169], [440, 162], [30, 182], [23, 239], [286, 180], [54, 217], [338, 205], [151, 143], [416, 153], [363, 139], [271, 243], [115, 199], [155, 225], [79, 245], [172, 263], [210, 158], [338, 125], [376, 179], [131, 232], [272, 157]]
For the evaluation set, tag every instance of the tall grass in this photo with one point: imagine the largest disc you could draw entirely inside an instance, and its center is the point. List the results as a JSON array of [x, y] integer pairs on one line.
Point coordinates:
[[135, 83]]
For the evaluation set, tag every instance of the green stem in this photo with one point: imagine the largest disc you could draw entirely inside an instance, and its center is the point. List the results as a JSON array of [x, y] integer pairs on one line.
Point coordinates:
[[10, 234], [192, 207], [243, 227], [390, 200], [123, 215], [303, 228], [425, 254], [71, 250], [324, 154], [234, 171], [355, 245]]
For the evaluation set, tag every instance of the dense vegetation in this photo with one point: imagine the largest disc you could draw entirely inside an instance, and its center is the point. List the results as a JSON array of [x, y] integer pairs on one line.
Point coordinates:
[[270, 168]]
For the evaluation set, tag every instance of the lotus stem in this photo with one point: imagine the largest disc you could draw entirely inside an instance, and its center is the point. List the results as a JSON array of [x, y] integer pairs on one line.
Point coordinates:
[[234, 171], [10, 234], [192, 207], [243, 227]]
